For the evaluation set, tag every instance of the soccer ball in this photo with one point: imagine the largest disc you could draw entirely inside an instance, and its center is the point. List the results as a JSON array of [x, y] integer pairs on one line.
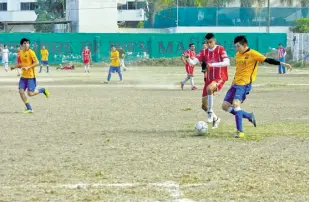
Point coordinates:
[[201, 127]]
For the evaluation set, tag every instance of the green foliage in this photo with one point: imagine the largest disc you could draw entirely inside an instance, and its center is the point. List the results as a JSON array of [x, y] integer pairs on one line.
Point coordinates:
[[140, 24], [302, 26], [49, 10]]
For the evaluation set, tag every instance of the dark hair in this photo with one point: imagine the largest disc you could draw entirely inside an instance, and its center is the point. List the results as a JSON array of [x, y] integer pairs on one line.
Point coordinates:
[[204, 43], [24, 40], [191, 44], [4, 45], [241, 39], [280, 44], [209, 36]]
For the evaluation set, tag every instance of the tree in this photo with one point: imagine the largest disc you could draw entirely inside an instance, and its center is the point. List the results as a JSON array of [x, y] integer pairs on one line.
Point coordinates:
[[302, 26], [302, 3], [49, 10]]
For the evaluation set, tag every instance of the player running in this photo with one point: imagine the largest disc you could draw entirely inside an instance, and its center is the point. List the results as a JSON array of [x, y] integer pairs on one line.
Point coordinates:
[[247, 61], [215, 75], [190, 53], [86, 55], [28, 63]]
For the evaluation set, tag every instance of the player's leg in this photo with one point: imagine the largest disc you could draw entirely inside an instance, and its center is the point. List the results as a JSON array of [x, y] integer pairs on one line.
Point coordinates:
[[47, 67], [6, 65], [211, 88], [187, 68], [191, 74], [118, 69], [41, 65], [111, 69], [32, 91], [282, 66], [22, 86]]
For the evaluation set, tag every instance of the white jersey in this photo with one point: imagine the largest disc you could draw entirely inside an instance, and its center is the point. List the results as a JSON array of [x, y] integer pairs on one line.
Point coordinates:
[[5, 55]]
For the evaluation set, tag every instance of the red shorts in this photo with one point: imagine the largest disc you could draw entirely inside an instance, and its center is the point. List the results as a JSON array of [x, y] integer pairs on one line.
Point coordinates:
[[86, 61], [219, 85], [189, 69]]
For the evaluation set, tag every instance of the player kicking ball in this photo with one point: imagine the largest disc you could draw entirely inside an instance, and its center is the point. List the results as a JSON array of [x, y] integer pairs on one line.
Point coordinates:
[[247, 61], [28, 63], [215, 75]]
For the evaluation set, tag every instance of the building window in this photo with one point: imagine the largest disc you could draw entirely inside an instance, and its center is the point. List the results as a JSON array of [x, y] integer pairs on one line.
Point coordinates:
[[131, 5], [28, 6], [3, 6]]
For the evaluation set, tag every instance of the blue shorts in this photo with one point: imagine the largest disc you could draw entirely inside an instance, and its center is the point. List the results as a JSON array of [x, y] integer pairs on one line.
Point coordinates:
[[114, 69], [29, 84], [237, 92], [44, 62]]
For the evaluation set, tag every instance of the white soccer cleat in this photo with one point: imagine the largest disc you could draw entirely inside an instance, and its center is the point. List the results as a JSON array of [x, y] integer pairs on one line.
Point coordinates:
[[216, 123], [210, 117]]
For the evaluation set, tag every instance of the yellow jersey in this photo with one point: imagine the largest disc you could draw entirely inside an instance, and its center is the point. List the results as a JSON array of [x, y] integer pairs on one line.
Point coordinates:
[[114, 62], [246, 66], [44, 54], [27, 58]]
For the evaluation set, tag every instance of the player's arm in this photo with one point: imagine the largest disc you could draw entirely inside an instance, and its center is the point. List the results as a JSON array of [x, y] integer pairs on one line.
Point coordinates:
[[261, 58], [225, 60]]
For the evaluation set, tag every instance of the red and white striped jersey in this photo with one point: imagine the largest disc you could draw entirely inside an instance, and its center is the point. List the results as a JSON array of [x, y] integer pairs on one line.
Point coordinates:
[[191, 54], [214, 56]]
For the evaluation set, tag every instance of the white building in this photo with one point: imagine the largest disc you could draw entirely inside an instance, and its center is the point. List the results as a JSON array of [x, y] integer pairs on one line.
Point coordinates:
[[91, 16], [131, 11], [17, 11]]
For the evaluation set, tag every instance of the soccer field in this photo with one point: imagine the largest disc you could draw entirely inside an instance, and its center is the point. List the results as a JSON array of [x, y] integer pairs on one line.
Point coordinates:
[[136, 141]]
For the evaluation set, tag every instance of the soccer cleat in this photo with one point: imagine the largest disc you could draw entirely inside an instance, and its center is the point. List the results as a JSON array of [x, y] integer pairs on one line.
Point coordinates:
[[121, 82], [209, 117], [182, 86], [46, 93], [239, 134], [253, 120], [216, 123], [194, 88], [28, 111]]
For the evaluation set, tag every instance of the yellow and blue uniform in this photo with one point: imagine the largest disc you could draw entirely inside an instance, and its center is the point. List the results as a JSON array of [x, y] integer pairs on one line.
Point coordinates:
[[115, 65], [44, 55], [246, 70], [28, 77]]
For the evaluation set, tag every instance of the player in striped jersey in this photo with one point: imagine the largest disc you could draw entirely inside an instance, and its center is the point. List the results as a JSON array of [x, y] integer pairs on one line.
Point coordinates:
[[217, 61]]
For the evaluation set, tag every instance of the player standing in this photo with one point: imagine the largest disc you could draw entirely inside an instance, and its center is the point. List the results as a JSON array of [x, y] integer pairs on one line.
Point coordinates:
[[115, 65], [44, 58], [190, 53], [217, 61], [246, 68], [28, 63], [86, 55], [281, 57], [5, 57], [122, 58]]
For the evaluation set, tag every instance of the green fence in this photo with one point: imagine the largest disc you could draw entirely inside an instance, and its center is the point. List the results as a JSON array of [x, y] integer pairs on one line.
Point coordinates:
[[66, 47], [230, 16]]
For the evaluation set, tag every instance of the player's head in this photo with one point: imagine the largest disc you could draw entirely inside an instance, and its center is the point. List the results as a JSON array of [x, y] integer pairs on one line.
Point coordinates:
[[25, 43], [5, 46], [86, 47], [113, 48], [204, 45], [241, 43], [43, 47], [210, 40], [280, 45], [191, 46]]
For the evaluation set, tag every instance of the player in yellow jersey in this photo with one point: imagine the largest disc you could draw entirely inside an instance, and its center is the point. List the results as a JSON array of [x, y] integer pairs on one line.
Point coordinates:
[[246, 68], [44, 58], [115, 65], [28, 63]]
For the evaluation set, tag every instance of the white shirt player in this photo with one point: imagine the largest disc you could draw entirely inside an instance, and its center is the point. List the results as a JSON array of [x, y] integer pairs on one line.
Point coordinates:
[[5, 57]]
